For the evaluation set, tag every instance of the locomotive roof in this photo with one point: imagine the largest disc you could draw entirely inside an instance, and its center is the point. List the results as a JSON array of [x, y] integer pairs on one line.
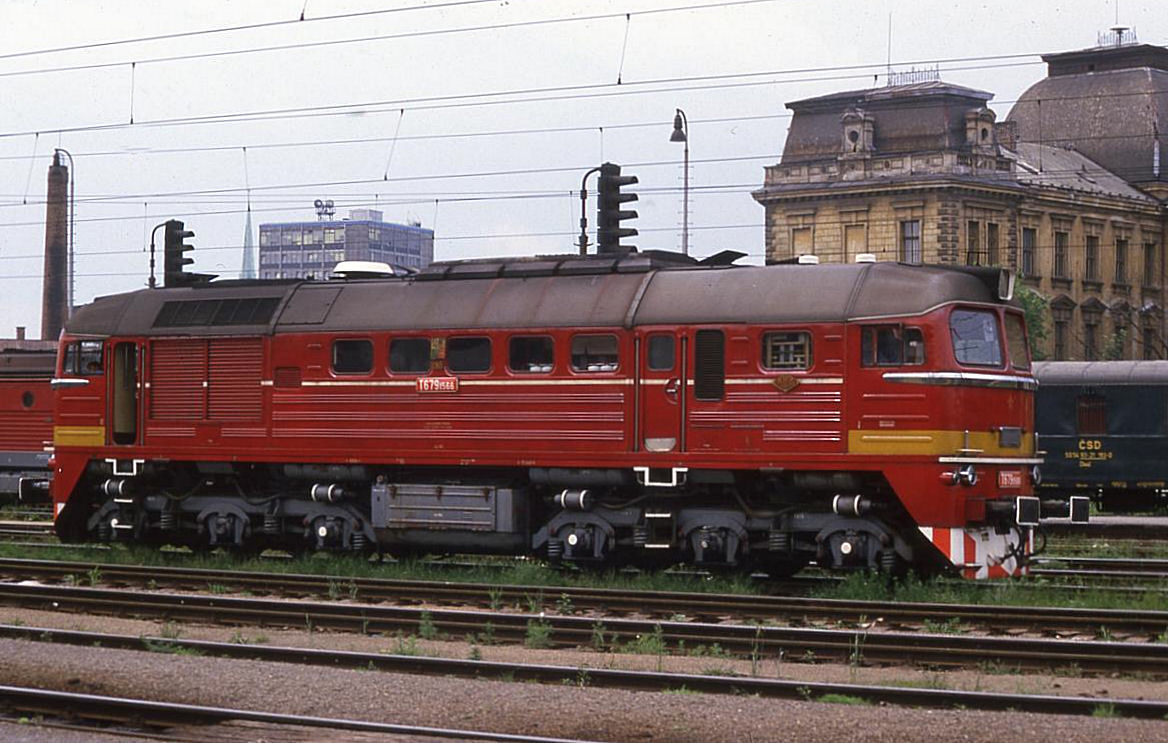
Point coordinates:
[[734, 294], [1087, 373]]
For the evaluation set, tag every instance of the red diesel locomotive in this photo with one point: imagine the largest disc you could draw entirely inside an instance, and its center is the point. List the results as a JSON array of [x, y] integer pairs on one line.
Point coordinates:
[[26, 422], [591, 409]]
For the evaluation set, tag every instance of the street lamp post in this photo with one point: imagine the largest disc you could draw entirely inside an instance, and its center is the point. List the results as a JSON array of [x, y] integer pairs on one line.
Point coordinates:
[[681, 134]]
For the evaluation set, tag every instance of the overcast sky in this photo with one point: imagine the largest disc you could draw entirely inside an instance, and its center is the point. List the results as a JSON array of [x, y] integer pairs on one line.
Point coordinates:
[[477, 119]]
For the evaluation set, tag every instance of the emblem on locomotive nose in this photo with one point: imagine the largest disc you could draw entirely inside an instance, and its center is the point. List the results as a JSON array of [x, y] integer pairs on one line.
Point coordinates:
[[785, 382]]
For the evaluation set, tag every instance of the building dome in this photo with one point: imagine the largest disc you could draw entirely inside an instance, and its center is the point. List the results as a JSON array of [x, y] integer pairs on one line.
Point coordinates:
[[1108, 103]]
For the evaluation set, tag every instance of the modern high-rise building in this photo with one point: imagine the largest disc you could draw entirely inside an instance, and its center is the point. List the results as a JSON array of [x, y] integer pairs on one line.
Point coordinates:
[[291, 250]]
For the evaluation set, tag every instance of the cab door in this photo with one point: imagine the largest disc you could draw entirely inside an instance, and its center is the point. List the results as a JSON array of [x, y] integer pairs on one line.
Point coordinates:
[[125, 407], [662, 383]]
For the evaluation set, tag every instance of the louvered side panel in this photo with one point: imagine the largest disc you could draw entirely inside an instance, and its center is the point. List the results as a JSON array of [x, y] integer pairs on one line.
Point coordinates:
[[235, 392], [178, 372]]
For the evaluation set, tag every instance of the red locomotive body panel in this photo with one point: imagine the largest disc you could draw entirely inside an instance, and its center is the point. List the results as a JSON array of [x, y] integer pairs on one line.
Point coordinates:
[[922, 416], [26, 422]]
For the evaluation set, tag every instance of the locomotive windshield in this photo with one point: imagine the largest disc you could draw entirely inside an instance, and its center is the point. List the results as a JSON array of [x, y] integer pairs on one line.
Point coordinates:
[[975, 337]]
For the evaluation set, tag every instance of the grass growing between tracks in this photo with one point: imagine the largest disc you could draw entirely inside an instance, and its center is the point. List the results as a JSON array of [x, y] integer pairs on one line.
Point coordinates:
[[504, 572], [498, 571], [1028, 592]]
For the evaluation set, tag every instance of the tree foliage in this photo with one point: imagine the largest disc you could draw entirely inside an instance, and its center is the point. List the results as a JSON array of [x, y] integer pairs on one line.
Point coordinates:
[[1037, 312]]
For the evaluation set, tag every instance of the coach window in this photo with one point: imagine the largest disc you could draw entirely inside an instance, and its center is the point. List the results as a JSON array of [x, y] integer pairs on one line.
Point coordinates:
[[1016, 341], [352, 356], [662, 356], [786, 351], [975, 338], [409, 355], [1092, 414], [468, 354], [595, 353], [531, 353], [891, 345]]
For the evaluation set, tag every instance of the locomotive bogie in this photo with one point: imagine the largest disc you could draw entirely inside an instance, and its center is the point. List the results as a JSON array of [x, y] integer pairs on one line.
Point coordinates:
[[782, 415]]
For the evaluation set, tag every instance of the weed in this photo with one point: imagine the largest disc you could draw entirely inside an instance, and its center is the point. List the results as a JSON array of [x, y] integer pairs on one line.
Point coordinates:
[[217, 588], [1104, 634], [539, 634], [170, 631], [353, 590], [426, 627], [535, 603], [475, 653], [844, 699], [599, 641], [682, 690], [650, 644], [1105, 709], [709, 651], [16, 622], [803, 691], [755, 651], [582, 677], [564, 605], [495, 598], [334, 590], [151, 585], [951, 626], [170, 648], [94, 575], [406, 645], [486, 637], [719, 671], [1071, 670]]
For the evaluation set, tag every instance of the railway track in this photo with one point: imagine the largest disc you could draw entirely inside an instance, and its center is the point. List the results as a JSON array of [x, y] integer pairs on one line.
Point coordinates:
[[541, 673], [710, 607], [24, 529], [152, 715], [867, 645], [1109, 567]]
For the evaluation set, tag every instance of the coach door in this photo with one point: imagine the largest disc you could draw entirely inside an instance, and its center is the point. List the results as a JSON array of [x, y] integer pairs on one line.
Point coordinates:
[[662, 392]]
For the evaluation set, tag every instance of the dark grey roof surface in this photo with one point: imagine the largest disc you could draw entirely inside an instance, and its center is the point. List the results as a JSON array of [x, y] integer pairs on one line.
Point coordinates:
[[1087, 373], [1110, 116], [754, 294], [1058, 167], [908, 118]]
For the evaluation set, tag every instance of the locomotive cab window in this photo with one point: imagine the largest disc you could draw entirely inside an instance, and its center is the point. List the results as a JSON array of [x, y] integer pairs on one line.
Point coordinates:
[[1016, 341], [83, 358], [662, 352], [595, 353], [892, 345], [786, 350], [352, 356], [975, 338], [531, 353], [409, 355], [468, 354]]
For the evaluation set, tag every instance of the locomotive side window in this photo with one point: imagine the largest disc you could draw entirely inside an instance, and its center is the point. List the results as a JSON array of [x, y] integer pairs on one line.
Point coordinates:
[[409, 355], [786, 350], [1016, 340], [975, 337], [468, 354], [83, 357], [661, 352], [352, 356], [531, 353], [1092, 414], [595, 353], [891, 345]]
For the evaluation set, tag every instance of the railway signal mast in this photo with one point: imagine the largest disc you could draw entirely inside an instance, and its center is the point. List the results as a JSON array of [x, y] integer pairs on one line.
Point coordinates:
[[609, 213], [174, 246]]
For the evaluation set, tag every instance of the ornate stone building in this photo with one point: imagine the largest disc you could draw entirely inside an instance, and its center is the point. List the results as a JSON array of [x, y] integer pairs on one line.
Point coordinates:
[[925, 173]]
